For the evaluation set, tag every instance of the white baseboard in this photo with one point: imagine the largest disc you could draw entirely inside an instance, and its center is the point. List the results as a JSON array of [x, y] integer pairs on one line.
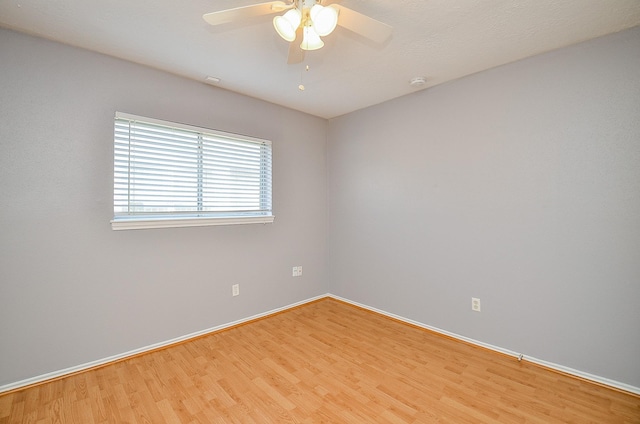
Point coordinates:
[[121, 356], [125, 355], [580, 374]]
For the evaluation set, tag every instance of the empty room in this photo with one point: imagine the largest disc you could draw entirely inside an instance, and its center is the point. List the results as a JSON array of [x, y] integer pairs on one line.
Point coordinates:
[[320, 211]]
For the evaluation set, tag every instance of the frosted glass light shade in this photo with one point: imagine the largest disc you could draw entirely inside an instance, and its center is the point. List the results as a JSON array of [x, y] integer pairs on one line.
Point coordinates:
[[287, 24], [310, 39], [324, 19]]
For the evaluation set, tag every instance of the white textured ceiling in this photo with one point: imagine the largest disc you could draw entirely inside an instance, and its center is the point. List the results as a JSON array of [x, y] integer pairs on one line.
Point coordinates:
[[439, 39]]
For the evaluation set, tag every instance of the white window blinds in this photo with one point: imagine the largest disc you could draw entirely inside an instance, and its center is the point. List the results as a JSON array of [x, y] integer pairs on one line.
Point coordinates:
[[168, 174]]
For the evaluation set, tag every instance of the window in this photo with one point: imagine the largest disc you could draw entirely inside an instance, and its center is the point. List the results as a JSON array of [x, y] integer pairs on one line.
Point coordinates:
[[176, 175]]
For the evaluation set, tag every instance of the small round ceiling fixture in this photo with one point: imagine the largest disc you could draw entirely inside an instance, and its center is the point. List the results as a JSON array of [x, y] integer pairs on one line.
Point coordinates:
[[418, 81]]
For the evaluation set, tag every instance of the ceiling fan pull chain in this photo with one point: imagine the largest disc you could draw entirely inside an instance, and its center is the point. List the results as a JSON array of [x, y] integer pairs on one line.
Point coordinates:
[[301, 86]]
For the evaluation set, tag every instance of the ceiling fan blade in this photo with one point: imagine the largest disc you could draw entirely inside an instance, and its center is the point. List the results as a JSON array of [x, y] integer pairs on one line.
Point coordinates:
[[361, 24], [296, 54], [238, 13]]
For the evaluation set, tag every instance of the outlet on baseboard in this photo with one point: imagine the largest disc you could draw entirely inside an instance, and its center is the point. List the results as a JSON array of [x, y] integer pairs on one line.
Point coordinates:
[[235, 290], [297, 271]]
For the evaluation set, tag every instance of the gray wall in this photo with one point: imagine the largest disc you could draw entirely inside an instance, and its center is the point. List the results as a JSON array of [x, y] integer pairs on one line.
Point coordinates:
[[71, 289], [520, 186]]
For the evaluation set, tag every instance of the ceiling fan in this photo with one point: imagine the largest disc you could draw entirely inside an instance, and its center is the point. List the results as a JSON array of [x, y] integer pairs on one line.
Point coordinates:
[[304, 22]]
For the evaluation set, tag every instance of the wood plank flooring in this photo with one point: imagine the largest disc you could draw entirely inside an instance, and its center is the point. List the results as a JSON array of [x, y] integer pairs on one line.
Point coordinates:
[[325, 362]]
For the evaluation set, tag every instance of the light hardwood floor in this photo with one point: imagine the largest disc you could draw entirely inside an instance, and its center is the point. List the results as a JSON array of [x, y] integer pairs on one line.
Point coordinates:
[[325, 362]]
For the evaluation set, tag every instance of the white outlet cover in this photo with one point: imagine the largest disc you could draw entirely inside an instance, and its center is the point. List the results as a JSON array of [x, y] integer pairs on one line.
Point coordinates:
[[475, 304]]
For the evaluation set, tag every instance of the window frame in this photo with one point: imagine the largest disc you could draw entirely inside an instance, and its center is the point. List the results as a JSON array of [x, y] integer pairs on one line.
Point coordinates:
[[135, 221]]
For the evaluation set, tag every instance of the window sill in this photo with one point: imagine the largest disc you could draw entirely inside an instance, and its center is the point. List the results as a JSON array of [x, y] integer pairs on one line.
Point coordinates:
[[148, 223]]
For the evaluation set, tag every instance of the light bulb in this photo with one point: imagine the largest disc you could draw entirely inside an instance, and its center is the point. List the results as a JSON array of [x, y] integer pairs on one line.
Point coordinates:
[[324, 19], [287, 24], [310, 39]]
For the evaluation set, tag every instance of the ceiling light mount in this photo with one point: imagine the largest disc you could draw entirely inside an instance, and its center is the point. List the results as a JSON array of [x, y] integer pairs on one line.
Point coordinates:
[[417, 82]]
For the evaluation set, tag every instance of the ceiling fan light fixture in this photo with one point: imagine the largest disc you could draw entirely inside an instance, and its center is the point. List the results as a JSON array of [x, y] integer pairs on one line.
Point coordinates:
[[324, 19], [310, 39], [287, 24]]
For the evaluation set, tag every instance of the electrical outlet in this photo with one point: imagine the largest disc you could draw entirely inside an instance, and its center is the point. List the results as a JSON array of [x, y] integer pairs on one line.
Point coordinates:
[[235, 289], [475, 304], [296, 271]]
